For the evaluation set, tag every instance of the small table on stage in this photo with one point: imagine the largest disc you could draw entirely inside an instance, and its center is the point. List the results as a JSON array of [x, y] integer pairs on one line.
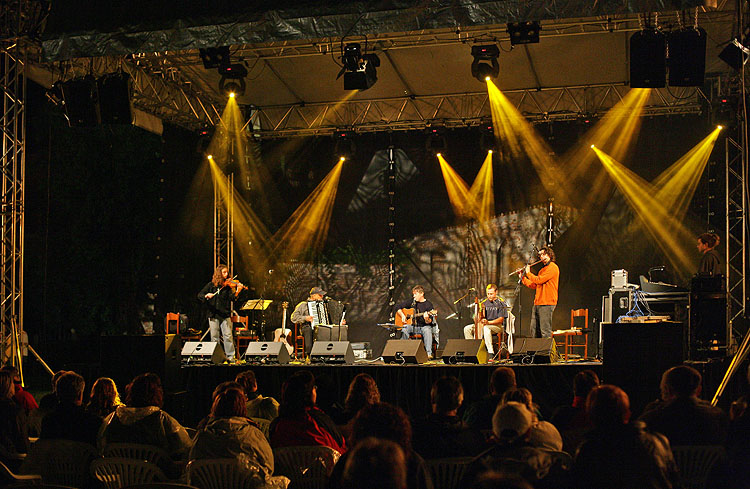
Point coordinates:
[[567, 335]]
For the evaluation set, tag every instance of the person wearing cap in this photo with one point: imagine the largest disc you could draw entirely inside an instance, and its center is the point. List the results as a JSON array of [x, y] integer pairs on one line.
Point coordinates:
[[512, 452], [303, 316]]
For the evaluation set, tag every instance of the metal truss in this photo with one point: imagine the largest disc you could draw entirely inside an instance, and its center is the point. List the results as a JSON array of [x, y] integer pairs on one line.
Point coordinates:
[[13, 133], [461, 110], [224, 224], [736, 232]]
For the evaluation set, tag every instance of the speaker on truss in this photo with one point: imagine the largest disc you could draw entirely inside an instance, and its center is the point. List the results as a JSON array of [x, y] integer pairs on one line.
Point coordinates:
[[332, 352], [81, 101], [202, 353], [114, 98], [267, 352], [648, 63], [465, 351], [687, 57], [404, 351]]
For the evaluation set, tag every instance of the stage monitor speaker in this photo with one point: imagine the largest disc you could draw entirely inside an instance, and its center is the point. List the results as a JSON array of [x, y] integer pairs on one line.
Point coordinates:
[[404, 351], [648, 63], [202, 353], [267, 352], [332, 352], [534, 350], [464, 351]]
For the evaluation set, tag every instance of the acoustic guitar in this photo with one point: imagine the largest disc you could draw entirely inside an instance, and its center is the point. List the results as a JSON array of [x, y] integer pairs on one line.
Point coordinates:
[[279, 334], [409, 313]]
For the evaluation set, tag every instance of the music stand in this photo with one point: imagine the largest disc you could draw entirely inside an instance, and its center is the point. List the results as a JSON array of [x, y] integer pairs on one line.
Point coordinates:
[[255, 305]]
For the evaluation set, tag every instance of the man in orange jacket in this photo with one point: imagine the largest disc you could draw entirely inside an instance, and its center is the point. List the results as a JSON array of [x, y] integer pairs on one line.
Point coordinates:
[[546, 283]]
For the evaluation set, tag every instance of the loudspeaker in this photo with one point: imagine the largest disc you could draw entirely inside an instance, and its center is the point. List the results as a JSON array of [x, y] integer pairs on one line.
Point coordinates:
[[337, 352], [404, 351], [81, 101], [159, 354], [687, 57], [465, 351], [648, 63], [272, 352], [534, 350], [202, 353], [114, 99]]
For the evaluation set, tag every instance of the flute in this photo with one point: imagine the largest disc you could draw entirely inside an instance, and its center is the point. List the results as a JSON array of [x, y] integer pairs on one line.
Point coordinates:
[[529, 265]]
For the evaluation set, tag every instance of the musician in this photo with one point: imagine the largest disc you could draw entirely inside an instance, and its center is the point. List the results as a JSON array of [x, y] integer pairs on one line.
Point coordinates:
[[494, 315], [546, 282], [218, 295], [710, 261], [422, 321], [302, 314]]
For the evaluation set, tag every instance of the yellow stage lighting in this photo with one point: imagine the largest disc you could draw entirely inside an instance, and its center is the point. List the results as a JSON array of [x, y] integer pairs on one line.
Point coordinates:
[[592, 146], [342, 158], [438, 155], [210, 157], [486, 78], [231, 94], [720, 127], [490, 151]]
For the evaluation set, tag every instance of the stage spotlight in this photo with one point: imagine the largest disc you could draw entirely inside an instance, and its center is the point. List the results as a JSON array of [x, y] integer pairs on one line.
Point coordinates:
[[345, 146], [232, 79], [687, 57], [524, 32], [435, 141], [485, 65], [648, 64], [360, 69], [210, 157], [214, 57]]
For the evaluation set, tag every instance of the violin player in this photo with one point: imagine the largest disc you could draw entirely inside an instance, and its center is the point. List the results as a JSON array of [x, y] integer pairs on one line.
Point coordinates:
[[218, 295]]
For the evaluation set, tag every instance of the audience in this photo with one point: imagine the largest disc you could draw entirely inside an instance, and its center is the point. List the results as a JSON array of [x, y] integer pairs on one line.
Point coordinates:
[[22, 397], [229, 384], [512, 452], [69, 420], [497, 480], [47, 403], [479, 414], [443, 433], [571, 421], [542, 434], [141, 420], [300, 422], [680, 407], [230, 434], [257, 405], [618, 454], [386, 422], [14, 437], [362, 392], [738, 441], [104, 398], [375, 464]]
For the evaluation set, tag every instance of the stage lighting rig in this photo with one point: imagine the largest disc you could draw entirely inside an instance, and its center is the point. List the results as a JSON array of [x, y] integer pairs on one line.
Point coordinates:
[[524, 32], [232, 79], [485, 61], [360, 67], [214, 57]]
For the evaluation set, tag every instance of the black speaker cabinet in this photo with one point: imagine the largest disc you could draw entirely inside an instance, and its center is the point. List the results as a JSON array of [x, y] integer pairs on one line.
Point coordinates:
[[464, 351], [534, 350], [114, 98], [636, 354], [404, 351], [271, 352], [332, 352], [159, 354], [648, 62], [687, 57], [202, 353]]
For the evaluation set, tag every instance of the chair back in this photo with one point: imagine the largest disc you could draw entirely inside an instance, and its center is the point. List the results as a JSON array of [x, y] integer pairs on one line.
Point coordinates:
[[118, 472], [225, 473], [62, 462], [7, 477], [574, 313], [147, 453], [264, 425], [447, 472], [306, 467], [41, 485], [696, 462]]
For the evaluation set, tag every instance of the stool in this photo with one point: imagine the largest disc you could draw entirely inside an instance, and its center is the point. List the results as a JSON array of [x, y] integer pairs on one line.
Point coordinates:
[[172, 316]]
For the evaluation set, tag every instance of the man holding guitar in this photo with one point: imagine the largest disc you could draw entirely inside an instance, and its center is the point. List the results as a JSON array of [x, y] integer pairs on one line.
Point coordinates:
[[416, 316], [494, 312]]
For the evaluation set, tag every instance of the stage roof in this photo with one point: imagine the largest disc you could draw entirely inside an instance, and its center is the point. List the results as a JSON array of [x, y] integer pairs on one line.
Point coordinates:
[[292, 54]]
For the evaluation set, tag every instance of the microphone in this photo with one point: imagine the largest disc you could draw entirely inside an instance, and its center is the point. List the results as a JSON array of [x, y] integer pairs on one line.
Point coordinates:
[[660, 267]]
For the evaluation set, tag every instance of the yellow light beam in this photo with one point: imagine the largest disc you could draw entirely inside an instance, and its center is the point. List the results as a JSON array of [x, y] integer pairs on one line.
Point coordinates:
[[463, 203], [483, 191]]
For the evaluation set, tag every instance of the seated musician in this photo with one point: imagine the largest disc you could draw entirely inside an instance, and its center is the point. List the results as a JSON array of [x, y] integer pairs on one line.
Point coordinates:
[[494, 313], [326, 312], [420, 318]]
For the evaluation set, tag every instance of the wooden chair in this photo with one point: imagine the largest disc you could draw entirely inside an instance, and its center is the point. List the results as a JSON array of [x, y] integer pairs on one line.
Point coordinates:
[[306, 467], [568, 335], [299, 342], [224, 473], [241, 340], [447, 472], [172, 316], [116, 472]]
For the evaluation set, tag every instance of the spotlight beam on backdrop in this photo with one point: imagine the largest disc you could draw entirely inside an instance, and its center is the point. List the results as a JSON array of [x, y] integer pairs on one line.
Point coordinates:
[[669, 234], [463, 202], [483, 191]]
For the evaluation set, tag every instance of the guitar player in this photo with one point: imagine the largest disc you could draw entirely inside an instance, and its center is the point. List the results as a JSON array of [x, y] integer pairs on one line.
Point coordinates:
[[422, 322]]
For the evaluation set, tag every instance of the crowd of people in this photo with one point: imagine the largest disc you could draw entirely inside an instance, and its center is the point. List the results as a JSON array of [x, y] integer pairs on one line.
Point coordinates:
[[506, 441]]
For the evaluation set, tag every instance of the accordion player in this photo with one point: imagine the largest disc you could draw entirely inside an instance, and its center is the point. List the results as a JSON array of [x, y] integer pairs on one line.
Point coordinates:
[[319, 318]]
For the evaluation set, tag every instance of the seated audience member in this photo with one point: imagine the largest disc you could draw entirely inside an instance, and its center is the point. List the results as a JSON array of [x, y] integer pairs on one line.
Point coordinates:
[[328, 398], [386, 422], [230, 434], [47, 403], [497, 480], [363, 391], [104, 397], [617, 454], [442, 433], [738, 441], [300, 422], [479, 414], [511, 452], [543, 434], [141, 420], [229, 384], [571, 421], [69, 420], [680, 408], [375, 464], [258, 406], [14, 436], [22, 397]]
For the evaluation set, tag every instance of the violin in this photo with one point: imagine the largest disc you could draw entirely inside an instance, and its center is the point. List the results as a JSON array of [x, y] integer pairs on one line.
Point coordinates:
[[234, 284]]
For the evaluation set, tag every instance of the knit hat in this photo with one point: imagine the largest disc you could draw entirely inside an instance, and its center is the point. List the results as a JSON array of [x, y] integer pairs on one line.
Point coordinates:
[[511, 421]]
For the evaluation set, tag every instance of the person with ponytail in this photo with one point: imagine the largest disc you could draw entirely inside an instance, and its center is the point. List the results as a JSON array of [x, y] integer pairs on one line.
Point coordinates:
[[710, 261]]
